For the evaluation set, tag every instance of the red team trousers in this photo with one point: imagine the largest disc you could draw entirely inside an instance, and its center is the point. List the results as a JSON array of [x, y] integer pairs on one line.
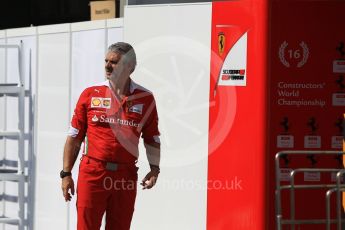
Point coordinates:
[[100, 190]]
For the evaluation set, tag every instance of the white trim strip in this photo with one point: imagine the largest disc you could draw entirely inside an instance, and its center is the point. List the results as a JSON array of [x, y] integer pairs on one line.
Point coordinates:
[[168, 4], [114, 23], [88, 25], [2, 34], [19, 32], [54, 29]]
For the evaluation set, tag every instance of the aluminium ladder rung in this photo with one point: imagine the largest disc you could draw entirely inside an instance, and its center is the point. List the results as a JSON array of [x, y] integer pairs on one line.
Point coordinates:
[[309, 186], [13, 135], [8, 84], [8, 220], [12, 177], [9, 134], [7, 46], [8, 171], [10, 89], [308, 221]]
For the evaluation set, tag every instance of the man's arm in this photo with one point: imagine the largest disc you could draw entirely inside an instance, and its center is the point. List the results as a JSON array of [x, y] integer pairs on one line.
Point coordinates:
[[71, 150], [152, 145], [153, 156]]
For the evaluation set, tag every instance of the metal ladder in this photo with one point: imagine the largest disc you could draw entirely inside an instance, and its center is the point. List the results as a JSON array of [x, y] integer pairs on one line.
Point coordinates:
[[16, 175], [336, 188]]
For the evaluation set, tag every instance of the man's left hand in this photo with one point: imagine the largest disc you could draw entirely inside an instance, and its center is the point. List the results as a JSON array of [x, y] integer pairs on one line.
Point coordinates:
[[150, 179]]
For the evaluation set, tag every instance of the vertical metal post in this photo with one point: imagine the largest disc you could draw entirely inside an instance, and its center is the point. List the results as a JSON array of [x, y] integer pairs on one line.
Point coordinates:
[[21, 141], [31, 150], [278, 193], [339, 176], [292, 200], [328, 208], [5, 127]]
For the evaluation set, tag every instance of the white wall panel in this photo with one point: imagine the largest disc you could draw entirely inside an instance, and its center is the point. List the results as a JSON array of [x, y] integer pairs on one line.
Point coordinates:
[[87, 69], [173, 51], [87, 60], [115, 35], [52, 122]]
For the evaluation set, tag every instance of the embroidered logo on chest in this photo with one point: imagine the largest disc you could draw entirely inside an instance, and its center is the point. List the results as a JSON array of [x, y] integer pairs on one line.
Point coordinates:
[[94, 118], [100, 102], [138, 108]]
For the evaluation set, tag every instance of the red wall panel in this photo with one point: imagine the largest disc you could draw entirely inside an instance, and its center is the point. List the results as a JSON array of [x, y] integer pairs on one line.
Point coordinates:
[[237, 138]]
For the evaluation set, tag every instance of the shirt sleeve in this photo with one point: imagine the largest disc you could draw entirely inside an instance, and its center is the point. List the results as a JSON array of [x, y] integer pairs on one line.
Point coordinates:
[[150, 131], [78, 126]]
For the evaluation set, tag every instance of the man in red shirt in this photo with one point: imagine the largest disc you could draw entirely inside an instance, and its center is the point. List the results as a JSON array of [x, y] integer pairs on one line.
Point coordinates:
[[110, 117]]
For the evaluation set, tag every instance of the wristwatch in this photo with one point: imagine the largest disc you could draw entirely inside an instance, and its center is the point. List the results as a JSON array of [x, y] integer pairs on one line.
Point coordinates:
[[155, 167], [64, 174]]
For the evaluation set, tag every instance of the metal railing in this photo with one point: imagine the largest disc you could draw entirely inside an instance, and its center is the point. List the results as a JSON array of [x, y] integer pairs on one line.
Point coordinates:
[[337, 188]]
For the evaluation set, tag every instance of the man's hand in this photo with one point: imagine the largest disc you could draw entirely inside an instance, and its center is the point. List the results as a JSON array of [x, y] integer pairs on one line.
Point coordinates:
[[66, 185], [70, 155], [150, 179]]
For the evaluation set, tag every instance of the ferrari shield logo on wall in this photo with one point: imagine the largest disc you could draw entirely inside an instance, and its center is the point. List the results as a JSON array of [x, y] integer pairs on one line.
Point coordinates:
[[221, 43], [233, 71]]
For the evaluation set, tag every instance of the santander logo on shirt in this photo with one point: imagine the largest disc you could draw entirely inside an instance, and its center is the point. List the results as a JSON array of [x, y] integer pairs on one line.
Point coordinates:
[[109, 120]]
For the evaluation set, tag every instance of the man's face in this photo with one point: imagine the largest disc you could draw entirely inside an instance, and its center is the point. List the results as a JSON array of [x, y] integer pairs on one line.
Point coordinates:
[[115, 68]]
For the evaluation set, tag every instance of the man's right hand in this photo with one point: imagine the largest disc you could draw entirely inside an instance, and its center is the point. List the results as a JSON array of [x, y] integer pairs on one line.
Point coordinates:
[[66, 185]]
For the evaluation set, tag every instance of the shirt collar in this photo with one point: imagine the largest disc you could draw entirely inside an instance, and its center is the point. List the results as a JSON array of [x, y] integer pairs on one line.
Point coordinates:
[[132, 85]]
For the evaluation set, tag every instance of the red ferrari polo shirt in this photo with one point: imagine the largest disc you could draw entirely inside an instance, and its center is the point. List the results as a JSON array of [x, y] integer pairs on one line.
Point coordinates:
[[112, 128]]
